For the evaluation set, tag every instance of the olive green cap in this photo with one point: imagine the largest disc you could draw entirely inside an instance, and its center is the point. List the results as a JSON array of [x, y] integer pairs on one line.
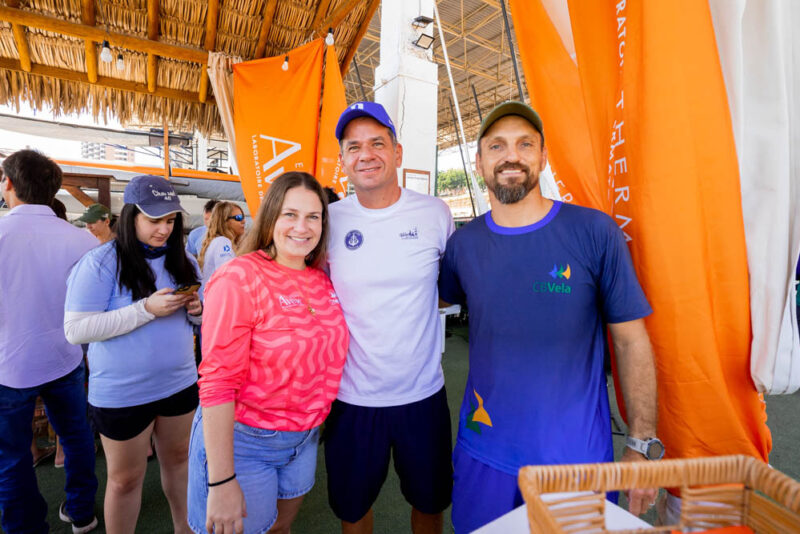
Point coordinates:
[[94, 213], [511, 107]]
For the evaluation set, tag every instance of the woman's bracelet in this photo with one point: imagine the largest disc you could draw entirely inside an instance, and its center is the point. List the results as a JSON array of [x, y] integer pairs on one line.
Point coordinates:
[[221, 482]]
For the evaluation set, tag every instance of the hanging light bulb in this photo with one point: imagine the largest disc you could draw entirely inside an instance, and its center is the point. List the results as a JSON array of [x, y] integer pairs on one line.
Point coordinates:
[[285, 65], [105, 53], [120, 62], [329, 37]]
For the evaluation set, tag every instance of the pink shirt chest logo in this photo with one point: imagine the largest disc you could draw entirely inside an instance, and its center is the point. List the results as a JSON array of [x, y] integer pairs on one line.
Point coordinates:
[[287, 303]]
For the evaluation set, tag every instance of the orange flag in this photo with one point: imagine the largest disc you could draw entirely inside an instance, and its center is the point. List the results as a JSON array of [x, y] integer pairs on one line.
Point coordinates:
[[554, 85], [276, 116], [659, 128], [329, 169]]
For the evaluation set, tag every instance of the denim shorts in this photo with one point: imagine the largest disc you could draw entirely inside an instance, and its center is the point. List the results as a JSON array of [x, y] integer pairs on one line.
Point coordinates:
[[269, 464]]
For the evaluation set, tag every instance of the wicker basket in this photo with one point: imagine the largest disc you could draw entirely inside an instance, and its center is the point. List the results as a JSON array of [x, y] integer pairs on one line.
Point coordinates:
[[745, 492]]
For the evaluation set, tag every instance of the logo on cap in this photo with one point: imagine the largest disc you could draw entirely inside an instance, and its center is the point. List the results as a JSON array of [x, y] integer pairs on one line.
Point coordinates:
[[364, 109], [166, 195]]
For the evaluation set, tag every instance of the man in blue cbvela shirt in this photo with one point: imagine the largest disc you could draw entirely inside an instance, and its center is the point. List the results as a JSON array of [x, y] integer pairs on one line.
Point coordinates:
[[541, 280]]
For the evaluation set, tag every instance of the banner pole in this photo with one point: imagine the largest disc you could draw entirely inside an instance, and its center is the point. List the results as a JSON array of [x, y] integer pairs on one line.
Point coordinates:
[[477, 105], [482, 206], [463, 160], [511, 50], [360, 83]]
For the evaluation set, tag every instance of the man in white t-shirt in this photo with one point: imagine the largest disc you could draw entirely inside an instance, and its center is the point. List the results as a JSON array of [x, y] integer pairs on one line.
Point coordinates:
[[384, 250]]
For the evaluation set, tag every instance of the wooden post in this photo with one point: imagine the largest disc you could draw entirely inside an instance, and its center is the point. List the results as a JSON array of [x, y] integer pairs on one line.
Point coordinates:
[[37, 69], [83, 31], [152, 34], [351, 52], [269, 12], [73, 182], [88, 18], [212, 17]]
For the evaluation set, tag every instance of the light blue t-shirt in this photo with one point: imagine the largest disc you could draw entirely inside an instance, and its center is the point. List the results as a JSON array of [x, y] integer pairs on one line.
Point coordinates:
[[147, 364], [194, 240], [219, 252]]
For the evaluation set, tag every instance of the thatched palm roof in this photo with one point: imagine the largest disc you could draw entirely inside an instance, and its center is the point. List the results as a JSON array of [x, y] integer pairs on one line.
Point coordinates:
[[49, 51], [164, 45]]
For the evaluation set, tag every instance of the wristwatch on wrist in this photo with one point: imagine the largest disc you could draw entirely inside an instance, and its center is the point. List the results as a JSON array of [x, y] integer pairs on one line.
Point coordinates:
[[650, 448]]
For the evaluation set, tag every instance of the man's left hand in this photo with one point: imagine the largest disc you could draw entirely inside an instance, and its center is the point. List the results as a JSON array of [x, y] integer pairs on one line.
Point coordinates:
[[639, 500]]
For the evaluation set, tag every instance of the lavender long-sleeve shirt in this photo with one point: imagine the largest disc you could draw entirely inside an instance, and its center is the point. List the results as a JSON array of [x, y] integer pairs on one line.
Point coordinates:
[[37, 251]]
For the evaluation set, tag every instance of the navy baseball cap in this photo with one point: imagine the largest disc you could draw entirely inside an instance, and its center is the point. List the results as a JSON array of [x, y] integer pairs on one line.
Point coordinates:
[[153, 195], [364, 109]]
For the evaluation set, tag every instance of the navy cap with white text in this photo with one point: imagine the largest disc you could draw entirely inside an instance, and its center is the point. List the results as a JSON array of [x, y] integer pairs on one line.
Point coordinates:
[[153, 195]]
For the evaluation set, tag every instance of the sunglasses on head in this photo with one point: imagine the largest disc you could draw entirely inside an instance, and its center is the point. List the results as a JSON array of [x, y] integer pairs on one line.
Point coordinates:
[[239, 217]]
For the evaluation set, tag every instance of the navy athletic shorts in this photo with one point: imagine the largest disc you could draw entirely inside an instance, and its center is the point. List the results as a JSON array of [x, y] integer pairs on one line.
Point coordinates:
[[359, 441]]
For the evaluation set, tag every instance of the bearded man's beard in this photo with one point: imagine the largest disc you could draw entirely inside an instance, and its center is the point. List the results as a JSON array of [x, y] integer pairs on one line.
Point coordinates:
[[513, 192]]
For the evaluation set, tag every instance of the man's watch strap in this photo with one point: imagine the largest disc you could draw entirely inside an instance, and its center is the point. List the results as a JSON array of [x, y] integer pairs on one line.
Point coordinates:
[[650, 448]]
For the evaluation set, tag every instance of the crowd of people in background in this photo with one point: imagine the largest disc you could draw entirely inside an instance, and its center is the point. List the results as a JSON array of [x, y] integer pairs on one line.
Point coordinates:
[[321, 312]]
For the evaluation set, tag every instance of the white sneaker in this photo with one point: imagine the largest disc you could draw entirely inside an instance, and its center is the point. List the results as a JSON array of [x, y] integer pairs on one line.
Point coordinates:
[[64, 516]]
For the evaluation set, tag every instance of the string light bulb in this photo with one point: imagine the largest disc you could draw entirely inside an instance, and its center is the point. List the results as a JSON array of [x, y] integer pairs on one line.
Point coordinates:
[[329, 37], [120, 62], [105, 53], [285, 65]]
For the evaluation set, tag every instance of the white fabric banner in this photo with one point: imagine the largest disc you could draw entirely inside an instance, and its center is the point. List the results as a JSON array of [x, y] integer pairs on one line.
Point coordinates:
[[220, 74], [759, 48]]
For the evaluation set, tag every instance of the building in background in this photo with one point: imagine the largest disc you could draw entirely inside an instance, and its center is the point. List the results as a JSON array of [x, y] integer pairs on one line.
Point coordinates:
[[103, 151]]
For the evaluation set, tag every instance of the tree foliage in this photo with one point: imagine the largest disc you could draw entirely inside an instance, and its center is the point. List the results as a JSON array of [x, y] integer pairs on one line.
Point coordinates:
[[454, 180]]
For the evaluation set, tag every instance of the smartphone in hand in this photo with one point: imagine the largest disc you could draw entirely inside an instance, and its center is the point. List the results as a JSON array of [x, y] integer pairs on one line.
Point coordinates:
[[186, 290]]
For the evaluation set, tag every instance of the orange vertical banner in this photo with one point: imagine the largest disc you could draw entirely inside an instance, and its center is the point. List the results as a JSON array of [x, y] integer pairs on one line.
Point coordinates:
[[551, 76], [659, 128], [328, 167], [276, 116]]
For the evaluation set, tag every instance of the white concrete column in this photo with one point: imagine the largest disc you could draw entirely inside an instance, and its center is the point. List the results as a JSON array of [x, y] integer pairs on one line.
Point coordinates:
[[202, 152], [406, 83]]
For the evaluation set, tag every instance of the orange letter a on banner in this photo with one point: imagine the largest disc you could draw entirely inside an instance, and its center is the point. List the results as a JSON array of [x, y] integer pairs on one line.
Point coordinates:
[[276, 116]]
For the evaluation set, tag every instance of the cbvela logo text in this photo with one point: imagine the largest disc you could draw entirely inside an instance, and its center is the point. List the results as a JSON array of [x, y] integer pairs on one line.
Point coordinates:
[[559, 274], [552, 287]]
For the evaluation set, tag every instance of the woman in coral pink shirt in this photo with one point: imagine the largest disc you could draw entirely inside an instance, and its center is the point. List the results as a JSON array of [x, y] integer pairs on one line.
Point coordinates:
[[274, 345]]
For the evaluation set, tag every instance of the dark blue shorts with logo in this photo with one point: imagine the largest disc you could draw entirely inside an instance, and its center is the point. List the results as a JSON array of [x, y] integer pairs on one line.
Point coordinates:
[[359, 441]]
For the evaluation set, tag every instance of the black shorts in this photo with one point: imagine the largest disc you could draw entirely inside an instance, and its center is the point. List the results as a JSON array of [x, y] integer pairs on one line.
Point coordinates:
[[359, 441], [122, 424]]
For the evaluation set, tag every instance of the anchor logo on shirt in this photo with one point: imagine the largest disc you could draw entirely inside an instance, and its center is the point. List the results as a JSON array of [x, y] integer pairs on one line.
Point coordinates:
[[353, 239]]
